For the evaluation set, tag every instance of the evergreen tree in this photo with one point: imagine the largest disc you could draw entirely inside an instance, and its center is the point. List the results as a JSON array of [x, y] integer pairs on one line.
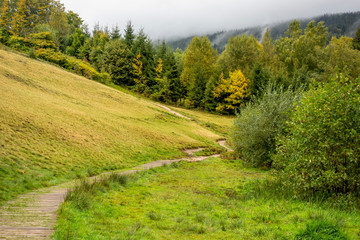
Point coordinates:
[[115, 33], [143, 46], [97, 44], [129, 35], [77, 40], [117, 61]]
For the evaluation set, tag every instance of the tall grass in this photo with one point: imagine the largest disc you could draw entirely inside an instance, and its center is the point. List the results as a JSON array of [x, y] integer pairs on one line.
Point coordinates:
[[81, 195]]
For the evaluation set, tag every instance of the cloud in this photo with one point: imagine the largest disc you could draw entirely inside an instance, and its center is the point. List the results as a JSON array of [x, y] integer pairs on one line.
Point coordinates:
[[170, 18]]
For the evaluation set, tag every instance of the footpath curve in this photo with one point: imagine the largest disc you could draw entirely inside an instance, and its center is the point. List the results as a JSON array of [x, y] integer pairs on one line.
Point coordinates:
[[33, 215]]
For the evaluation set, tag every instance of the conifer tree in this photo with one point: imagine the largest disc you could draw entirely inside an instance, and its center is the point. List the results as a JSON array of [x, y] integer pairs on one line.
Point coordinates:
[[115, 33], [143, 46], [129, 35]]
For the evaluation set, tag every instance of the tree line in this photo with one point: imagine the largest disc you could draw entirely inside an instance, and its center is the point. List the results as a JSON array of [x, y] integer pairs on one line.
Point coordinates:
[[199, 77]]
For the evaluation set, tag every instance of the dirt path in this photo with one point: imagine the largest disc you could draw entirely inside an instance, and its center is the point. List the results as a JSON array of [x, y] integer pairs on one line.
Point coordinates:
[[173, 112], [33, 215]]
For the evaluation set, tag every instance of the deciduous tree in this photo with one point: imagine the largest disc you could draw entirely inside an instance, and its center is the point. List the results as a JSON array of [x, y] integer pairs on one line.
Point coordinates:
[[199, 65], [233, 90]]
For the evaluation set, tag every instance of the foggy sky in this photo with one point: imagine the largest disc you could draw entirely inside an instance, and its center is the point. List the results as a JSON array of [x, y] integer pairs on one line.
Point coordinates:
[[172, 18]]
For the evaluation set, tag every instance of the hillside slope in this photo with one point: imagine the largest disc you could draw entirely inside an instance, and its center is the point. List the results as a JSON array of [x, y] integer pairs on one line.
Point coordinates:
[[56, 126]]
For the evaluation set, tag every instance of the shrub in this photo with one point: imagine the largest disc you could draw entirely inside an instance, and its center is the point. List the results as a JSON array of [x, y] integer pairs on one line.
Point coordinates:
[[32, 53], [75, 65], [320, 152], [258, 124]]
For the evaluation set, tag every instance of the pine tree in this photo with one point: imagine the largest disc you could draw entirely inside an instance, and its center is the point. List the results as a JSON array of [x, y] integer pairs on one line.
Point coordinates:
[[77, 40], [143, 46], [129, 35], [117, 60], [115, 33]]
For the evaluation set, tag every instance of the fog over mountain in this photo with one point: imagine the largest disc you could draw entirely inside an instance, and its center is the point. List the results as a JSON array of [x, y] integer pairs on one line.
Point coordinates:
[[169, 18], [339, 24]]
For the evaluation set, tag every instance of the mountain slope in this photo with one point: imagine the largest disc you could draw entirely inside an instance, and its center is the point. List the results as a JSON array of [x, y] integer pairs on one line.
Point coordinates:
[[56, 126], [338, 25]]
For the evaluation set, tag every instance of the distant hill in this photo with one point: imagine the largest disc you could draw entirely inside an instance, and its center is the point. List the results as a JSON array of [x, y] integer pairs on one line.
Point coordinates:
[[338, 25]]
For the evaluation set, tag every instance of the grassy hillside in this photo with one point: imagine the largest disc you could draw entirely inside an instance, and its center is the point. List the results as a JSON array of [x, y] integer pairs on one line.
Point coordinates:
[[56, 126]]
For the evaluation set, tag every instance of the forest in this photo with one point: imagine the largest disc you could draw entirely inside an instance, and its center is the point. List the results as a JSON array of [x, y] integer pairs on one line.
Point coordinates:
[[296, 98]]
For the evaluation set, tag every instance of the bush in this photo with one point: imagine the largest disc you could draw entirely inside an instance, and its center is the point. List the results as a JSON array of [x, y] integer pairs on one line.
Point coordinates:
[[32, 53], [258, 124], [320, 153], [75, 65]]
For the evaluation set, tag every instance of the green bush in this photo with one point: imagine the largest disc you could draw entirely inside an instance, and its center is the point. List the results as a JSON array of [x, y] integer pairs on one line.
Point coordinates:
[[258, 124], [320, 152]]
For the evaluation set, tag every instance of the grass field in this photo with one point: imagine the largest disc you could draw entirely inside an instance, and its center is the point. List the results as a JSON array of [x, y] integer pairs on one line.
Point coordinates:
[[56, 126], [214, 199]]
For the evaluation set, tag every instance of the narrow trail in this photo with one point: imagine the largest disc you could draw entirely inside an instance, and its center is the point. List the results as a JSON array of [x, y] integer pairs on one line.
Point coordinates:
[[33, 215]]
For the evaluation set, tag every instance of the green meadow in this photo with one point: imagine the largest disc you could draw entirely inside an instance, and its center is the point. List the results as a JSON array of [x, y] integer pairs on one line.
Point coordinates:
[[214, 199]]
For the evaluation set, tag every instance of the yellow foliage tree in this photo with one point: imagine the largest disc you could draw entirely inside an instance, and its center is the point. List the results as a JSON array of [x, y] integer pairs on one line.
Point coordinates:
[[19, 21], [159, 68], [5, 16], [232, 90], [138, 70]]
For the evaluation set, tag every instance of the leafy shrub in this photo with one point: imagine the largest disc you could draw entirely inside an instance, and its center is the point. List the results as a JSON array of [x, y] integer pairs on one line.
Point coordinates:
[[320, 230], [320, 153], [258, 124], [75, 65], [32, 53]]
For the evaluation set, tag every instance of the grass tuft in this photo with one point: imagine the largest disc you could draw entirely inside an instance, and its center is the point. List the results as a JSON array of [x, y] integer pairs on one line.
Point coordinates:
[[321, 230]]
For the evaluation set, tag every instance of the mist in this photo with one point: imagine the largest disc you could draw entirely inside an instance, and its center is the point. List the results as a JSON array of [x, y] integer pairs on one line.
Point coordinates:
[[169, 19]]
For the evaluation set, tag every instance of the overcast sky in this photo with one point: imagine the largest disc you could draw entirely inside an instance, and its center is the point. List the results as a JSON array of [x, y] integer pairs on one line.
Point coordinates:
[[172, 18]]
